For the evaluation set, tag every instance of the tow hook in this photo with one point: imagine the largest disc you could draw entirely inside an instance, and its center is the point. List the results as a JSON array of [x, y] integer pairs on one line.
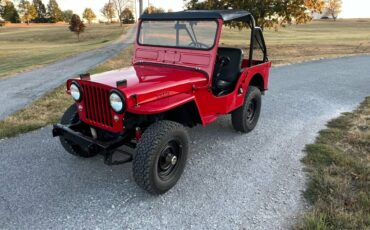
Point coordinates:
[[138, 134]]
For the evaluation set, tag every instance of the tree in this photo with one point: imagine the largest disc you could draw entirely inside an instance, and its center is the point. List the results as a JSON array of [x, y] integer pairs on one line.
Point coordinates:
[[76, 25], [315, 6], [119, 6], [292, 10], [40, 11], [266, 12], [127, 16], [54, 12], [67, 15], [108, 11], [27, 10], [153, 10], [89, 15], [1, 7], [334, 8], [10, 13]]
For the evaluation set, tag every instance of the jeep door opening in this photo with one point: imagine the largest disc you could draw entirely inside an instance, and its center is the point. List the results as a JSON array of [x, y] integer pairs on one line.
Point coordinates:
[[180, 77]]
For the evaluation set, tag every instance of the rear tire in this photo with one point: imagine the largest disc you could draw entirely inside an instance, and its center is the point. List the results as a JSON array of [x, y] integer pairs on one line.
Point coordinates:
[[161, 156], [71, 116], [245, 118]]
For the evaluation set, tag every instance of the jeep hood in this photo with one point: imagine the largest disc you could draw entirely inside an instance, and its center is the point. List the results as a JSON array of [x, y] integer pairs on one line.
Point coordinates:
[[148, 83]]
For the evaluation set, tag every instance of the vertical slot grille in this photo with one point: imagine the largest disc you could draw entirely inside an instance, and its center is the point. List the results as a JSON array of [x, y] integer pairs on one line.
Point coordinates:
[[97, 107]]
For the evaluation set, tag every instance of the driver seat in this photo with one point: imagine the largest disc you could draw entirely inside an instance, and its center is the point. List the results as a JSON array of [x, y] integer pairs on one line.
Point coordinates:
[[226, 76]]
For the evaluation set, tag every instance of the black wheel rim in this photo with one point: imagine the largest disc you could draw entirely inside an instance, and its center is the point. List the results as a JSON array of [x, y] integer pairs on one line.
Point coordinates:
[[169, 160], [251, 110]]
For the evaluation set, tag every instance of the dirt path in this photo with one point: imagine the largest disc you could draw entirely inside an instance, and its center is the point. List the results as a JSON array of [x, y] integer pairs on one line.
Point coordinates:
[[231, 181], [18, 91]]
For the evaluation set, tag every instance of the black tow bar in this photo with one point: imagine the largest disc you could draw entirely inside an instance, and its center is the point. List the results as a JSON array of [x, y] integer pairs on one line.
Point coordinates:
[[107, 149]]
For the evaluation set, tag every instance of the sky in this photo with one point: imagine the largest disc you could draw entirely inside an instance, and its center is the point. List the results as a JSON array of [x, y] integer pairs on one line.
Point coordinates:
[[351, 8]]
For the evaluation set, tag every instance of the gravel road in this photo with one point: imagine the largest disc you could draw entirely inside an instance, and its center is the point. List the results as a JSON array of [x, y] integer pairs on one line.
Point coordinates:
[[19, 90], [232, 181]]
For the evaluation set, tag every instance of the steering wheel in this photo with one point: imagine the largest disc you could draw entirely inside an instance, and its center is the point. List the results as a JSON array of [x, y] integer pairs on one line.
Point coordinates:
[[198, 45]]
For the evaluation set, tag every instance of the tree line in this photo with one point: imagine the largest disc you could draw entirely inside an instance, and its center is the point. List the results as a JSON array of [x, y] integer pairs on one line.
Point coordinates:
[[37, 12], [272, 12]]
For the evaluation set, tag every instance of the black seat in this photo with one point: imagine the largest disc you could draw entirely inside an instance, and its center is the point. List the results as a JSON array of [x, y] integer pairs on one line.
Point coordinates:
[[225, 77]]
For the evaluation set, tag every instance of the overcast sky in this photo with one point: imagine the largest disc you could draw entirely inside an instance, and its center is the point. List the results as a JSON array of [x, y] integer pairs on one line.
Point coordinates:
[[351, 8]]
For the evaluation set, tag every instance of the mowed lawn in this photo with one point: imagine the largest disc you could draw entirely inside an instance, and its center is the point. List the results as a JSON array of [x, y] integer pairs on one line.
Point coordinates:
[[315, 40], [24, 47]]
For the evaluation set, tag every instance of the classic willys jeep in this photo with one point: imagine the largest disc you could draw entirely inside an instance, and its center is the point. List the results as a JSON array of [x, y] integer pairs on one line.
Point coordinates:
[[180, 77]]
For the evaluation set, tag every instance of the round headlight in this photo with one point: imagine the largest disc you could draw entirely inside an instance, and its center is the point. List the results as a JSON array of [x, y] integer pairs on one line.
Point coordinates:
[[75, 92], [116, 102]]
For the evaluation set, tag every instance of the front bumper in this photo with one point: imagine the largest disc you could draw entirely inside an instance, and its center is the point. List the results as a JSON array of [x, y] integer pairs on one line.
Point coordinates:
[[91, 145]]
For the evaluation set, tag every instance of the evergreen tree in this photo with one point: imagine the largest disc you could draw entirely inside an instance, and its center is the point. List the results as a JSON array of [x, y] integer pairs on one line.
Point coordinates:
[[40, 11], [54, 12], [10, 13]]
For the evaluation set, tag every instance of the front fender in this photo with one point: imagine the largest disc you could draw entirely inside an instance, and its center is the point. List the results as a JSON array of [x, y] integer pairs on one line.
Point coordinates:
[[161, 105]]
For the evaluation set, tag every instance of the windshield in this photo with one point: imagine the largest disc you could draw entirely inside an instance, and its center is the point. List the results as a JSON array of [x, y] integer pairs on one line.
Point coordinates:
[[180, 34]]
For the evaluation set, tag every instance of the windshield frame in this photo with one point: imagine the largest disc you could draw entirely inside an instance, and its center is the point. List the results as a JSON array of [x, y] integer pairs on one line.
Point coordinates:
[[215, 42]]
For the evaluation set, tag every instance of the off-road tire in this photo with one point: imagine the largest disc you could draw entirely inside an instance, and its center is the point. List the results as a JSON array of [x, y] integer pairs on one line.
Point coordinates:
[[71, 116], [150, 148], [240, 117]]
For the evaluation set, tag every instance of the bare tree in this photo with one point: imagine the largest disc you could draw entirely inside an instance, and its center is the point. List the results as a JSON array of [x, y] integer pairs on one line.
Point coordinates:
[[120, 6], [334, 8]]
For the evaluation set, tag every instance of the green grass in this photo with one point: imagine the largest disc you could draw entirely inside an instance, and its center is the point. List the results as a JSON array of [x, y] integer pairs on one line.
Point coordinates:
[[316, 40], [49, 108], [339, 174], [26, 47]]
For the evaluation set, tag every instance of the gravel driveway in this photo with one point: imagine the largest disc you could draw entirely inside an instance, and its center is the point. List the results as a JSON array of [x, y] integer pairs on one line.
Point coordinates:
[[232, 181], [19, 90]]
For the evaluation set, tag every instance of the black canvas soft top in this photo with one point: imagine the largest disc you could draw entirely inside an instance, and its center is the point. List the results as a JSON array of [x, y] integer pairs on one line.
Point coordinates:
[[225, 15]]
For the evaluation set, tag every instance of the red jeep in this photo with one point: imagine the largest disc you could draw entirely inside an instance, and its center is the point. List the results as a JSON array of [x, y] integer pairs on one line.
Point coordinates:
[[180, 77]]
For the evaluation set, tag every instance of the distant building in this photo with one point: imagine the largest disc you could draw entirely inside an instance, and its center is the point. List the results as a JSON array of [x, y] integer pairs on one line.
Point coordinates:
[[324, 15]]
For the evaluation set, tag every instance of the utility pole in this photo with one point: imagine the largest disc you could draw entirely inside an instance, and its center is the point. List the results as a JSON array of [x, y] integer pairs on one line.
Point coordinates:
[[141, 10]]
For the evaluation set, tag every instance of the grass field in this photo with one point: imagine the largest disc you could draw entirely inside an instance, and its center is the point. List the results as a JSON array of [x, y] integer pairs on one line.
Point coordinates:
[[316, 40], [339, 174], [26, 47], [50, 107]]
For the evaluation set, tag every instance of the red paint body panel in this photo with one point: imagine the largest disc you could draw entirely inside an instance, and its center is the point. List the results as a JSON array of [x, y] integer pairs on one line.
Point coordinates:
[[164, 78]]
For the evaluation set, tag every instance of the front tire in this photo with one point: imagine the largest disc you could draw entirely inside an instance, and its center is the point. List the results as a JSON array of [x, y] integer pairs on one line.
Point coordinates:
[[71, 116], [245, 118], [161, 156]]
